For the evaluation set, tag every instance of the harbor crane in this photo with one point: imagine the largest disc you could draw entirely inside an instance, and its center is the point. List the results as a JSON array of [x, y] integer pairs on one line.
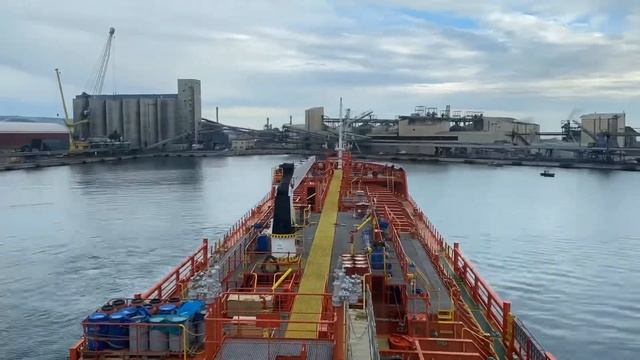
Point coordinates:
[[74, 145], [96, 82]]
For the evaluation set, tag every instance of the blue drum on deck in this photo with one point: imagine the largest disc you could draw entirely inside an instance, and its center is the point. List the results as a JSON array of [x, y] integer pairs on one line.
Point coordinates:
[[176, 332], [118, 337], [167, 309], [383, 224], [129, 311], [96, 332], [158, 337], [138, 334], [377, 259], [263, 243], [190, 308]]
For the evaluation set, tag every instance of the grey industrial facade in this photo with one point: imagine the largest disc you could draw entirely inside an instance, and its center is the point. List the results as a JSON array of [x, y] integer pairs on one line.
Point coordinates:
[[143, 120]]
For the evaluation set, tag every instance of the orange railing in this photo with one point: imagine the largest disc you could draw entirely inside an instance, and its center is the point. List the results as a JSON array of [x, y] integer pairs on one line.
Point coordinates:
[[480, 290], [269, 321], [516, 338], [178, 278], [397, 245], [256, 214]]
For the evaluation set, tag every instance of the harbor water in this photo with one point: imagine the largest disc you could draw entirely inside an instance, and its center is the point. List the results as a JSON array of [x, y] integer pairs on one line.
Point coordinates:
[[564, 250]]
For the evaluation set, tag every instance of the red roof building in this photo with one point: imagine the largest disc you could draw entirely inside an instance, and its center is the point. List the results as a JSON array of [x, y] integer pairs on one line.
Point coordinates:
[[29, 136]]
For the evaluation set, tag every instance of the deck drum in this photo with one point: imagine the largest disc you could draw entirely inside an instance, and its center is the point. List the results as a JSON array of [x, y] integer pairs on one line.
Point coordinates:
[[158, 340], [95, 332], [129, 311], [263, 243], [118, 331], [198, 327], [192, 310], [176, 332], [377, 259], [138, 334], [167, 309]]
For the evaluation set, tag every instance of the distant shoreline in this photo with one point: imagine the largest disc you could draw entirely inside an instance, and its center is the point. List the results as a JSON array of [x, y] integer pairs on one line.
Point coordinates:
[[52, 161]]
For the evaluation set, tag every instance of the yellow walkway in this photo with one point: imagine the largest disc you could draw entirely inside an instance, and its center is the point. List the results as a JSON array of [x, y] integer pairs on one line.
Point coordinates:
[[308, 307]]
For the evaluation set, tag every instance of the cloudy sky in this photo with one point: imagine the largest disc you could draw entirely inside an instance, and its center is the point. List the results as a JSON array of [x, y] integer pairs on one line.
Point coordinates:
[[533, 59]]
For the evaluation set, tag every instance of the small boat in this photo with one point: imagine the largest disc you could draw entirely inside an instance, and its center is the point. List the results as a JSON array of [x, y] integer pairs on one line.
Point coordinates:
[[495, 164], [547, 173]]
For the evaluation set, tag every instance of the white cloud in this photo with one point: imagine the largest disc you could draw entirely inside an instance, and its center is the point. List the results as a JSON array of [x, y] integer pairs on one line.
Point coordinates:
[[259, 59]]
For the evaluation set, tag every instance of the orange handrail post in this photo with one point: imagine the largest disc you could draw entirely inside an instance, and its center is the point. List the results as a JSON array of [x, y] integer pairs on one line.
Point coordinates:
[[507, 327], [456, 247]]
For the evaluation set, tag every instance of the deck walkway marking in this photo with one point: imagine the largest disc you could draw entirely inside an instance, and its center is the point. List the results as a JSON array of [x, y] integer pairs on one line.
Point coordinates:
[[308, 307]]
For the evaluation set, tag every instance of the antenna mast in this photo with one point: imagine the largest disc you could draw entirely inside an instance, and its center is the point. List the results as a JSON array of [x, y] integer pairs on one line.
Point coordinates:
[[340, 145]]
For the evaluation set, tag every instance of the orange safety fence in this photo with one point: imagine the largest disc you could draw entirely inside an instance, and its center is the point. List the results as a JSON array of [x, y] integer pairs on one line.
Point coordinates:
[[257, 214], [266, 315], [178, 278], [516, 338]]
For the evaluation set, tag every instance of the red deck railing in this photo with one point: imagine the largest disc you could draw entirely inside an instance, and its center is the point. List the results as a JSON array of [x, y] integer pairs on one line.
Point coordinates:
[[241, 227], [271, 322], [516, 338], [176, 280]]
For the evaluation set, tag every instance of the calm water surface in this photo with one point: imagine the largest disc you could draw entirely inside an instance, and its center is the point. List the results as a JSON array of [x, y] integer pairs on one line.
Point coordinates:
[[564, 251]]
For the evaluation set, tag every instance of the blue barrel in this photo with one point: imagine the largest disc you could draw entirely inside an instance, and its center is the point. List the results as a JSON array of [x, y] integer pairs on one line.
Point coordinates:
[[95, 332], [383, 224], [119, 331], [138, 334], [129, 311], [158, 337], [190, 308], [263, 243], [176, 332], [377, 261], [197, 324], [167, 309]]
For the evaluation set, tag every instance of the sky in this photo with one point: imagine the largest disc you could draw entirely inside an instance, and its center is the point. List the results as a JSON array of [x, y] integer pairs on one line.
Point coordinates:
[[536, 60]]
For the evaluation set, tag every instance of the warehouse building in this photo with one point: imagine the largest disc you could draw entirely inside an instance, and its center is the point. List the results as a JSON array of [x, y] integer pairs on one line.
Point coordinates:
[[144, 120], [33, 136]]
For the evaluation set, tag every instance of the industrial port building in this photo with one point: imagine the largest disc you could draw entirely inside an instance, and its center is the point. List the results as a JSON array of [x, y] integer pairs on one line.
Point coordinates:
[[471, 128], [28, 136], [145, 121], [606, 129]]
